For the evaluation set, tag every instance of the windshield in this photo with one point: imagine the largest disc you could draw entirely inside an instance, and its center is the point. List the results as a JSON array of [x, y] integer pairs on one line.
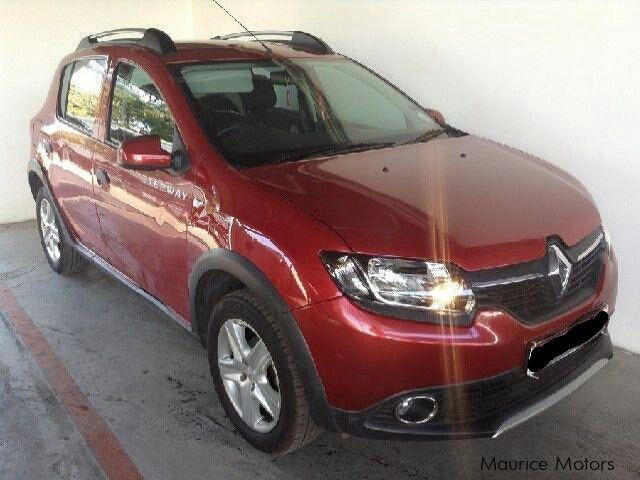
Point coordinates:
[[265, 112]]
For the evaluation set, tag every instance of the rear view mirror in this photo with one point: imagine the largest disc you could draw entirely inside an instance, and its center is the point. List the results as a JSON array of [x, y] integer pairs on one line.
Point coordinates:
[[437, 116], [143, 153]]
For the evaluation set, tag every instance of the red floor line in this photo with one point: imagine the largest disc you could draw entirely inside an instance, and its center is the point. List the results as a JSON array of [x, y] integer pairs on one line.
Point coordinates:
[[114, 461]]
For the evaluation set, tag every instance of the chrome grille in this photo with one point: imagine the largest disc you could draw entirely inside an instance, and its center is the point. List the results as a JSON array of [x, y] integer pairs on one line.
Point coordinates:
[[526, 292]]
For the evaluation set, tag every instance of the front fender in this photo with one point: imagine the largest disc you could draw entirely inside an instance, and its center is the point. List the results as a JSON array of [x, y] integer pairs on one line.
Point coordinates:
[[224, 260]]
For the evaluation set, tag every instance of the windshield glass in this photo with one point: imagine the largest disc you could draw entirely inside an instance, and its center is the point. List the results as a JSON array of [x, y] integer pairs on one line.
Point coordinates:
[[265, 112]]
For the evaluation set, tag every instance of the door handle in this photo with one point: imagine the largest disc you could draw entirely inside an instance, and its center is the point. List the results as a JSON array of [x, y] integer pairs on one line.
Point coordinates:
[[102, 177], [48, 146]]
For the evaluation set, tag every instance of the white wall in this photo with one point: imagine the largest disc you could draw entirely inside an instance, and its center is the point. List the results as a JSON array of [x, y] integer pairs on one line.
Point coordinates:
[[34, 36], [558, 79]]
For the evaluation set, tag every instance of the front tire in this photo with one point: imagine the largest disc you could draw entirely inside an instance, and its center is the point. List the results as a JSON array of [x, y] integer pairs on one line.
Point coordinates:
[[255, 375], [62, 257]]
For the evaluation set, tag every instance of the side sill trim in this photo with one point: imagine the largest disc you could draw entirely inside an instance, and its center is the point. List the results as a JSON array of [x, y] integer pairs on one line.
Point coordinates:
[[122, 278], [531, 411]]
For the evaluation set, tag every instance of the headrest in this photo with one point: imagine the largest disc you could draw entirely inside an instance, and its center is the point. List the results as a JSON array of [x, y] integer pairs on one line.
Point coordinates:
[[263, 95]]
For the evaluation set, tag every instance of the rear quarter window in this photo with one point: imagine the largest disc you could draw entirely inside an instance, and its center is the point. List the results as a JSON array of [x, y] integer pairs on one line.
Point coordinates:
[[80, 90]]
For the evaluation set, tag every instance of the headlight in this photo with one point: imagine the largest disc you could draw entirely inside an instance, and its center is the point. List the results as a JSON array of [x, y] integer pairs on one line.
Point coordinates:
[[426, 291]]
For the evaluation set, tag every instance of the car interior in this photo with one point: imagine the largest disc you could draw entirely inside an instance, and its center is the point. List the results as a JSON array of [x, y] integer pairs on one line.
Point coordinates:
[[266, 107]]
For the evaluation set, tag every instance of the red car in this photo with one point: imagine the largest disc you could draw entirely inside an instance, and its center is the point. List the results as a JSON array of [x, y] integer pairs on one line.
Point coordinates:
[[350, 261]]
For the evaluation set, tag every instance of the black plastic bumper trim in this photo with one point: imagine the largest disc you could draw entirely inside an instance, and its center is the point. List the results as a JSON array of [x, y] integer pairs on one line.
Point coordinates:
[[512, 398]]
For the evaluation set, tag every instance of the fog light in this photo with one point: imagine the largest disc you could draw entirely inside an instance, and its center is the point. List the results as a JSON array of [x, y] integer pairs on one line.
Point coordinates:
[[416, 410]]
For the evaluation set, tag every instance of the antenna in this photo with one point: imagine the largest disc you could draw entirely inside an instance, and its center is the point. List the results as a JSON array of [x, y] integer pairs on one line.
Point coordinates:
[[240, 23]]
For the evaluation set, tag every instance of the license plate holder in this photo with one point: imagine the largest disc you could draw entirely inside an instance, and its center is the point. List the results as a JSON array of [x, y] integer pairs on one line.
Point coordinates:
[[544, 353]]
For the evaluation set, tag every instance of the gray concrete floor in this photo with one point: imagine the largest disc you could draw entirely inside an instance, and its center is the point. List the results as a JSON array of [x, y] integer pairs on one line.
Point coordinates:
[[148, 378]]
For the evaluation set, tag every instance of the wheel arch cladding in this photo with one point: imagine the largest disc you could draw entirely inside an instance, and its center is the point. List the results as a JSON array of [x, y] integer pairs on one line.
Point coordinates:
[[247, 275], [38, 179], [35, 183]]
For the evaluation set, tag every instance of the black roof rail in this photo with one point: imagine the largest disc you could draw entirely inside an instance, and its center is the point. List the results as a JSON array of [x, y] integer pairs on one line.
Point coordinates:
[[299, 40], [152, 38]]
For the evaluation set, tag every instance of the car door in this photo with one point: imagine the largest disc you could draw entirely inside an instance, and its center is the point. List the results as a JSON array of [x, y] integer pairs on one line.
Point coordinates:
[[143, 214], [70, 144]]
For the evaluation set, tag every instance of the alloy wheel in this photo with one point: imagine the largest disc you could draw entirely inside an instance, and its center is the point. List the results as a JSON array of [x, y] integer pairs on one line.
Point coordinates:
[[249, 375], [49, 230]]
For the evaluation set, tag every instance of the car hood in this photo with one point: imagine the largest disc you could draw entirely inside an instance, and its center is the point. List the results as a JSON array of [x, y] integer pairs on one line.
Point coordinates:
[[466, 200]]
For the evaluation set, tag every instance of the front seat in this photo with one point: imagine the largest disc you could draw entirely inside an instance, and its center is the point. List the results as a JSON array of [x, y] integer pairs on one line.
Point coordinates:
[[260, 107]]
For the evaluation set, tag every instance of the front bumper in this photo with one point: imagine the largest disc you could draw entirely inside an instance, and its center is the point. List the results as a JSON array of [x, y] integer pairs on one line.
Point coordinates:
[[368, 362], [484, 408]]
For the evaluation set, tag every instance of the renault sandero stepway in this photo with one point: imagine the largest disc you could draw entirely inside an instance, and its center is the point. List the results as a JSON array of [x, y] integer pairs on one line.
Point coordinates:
[[349, 260]]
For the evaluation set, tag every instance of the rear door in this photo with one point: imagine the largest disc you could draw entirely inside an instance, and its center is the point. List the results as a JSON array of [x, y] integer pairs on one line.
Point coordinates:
[[72, 138], [143, 214]]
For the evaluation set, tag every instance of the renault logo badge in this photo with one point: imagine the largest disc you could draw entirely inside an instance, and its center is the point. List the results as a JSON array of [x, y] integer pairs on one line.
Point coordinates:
[[559, 270]]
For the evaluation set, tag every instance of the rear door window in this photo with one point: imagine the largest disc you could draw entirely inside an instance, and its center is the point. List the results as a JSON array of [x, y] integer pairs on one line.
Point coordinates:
[[80, 92]]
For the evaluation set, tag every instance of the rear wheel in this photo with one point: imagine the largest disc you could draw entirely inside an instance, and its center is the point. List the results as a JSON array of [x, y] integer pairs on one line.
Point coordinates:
[[256, 377], [61, 256]]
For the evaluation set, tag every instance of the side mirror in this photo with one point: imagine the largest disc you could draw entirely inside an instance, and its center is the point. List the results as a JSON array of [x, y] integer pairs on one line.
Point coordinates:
[[143, 153], [437, 116]]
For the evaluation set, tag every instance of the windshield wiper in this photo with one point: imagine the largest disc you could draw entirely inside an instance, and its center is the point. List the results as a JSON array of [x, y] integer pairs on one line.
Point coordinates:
[[354, 147], [325, 150], [426, 136]]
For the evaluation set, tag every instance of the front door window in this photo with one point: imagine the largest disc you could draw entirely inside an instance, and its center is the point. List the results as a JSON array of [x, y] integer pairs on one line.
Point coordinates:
[[138, 109]]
